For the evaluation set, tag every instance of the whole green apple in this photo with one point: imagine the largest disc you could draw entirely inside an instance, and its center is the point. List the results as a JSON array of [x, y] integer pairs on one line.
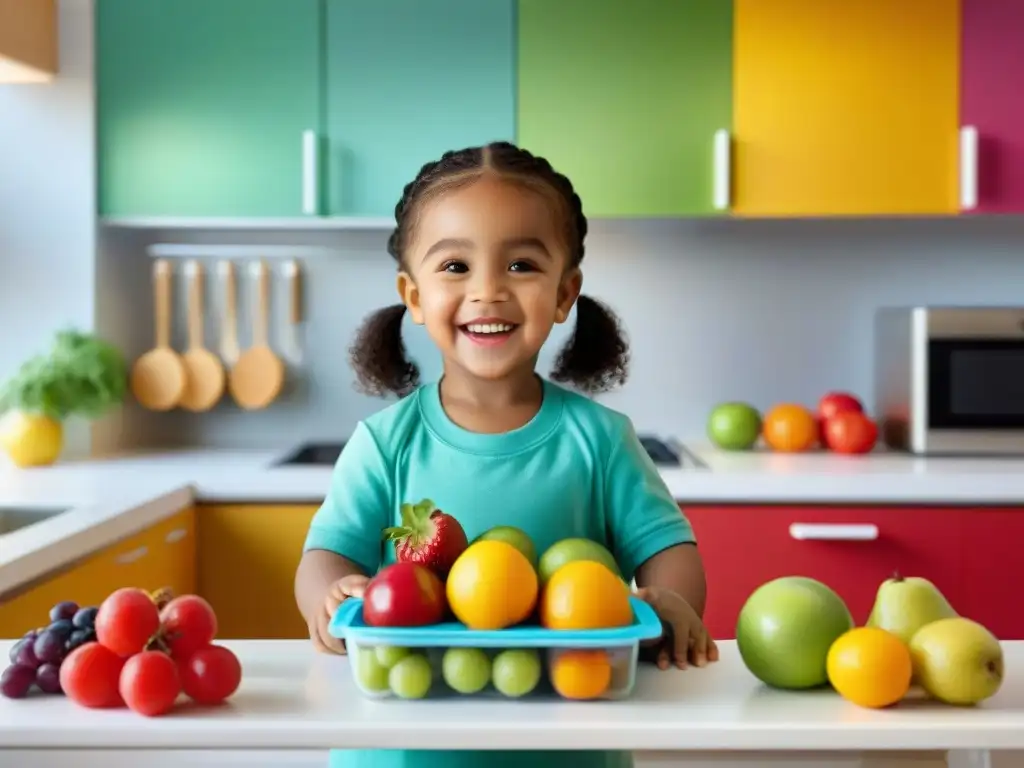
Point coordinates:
[[734, 426], [785, 630]]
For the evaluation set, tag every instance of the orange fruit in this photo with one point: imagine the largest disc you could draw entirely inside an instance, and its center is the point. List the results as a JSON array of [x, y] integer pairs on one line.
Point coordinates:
[[581, 674], [584, 594], [870, 667], [491, 586], [789, 427]]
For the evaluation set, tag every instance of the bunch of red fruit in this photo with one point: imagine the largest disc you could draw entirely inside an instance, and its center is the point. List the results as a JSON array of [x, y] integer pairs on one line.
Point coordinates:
[[843, 425], [145, 656]]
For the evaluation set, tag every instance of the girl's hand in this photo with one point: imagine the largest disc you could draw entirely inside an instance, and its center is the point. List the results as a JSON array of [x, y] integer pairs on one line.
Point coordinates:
[[350, 586], [685, 639]]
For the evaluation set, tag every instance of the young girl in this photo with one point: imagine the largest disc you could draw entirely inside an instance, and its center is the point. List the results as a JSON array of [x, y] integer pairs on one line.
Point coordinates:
[[488, 244]]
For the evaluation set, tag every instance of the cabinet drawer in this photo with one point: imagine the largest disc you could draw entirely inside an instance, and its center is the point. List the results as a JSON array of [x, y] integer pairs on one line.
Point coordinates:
[[991, 544], [162, 555], [850, 549]]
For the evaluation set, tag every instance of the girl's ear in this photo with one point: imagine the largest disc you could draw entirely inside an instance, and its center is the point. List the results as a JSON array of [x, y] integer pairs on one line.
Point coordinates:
[[410, 295], [568, 291]]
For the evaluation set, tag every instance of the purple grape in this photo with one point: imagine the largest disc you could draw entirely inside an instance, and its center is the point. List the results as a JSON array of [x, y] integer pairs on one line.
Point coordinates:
[[16, 681], [49, 647], [64, 628], [85, 618], [78, 637], [27, 656], [48, 679], [63, 610], [16, 648]]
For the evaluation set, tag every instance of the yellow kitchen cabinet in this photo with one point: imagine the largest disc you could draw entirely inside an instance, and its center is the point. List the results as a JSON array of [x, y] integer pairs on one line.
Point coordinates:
[[247, 556], [162, 555], [845, 108]]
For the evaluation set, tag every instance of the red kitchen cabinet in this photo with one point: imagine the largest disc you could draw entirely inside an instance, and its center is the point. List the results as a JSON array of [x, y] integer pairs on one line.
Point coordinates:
[[991, 109], [992, 572], [851, 549]]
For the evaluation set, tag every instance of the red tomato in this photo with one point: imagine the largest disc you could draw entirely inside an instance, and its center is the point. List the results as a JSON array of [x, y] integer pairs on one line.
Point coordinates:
[[149, 683], [126, 621], [89, 676], [851, 432], [210, 675], [838, 402], [188, 623]]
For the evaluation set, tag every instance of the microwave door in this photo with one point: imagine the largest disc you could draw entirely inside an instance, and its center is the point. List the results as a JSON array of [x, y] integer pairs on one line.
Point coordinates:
[[975, 402]]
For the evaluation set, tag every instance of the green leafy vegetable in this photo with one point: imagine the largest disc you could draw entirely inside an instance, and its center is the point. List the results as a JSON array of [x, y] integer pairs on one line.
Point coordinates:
[[82, 375]]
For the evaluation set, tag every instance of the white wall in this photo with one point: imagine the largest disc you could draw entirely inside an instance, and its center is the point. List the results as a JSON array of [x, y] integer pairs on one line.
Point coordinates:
[[47, 223]]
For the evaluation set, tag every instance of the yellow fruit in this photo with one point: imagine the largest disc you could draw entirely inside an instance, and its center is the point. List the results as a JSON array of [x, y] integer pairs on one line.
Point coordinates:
[[584, 594], [491, 586], [870, 667], [581, 674], [31, 440]]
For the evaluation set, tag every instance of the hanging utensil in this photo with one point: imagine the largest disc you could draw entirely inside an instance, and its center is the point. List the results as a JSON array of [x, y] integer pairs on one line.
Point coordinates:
[[293, 273], [158, 377], [204, 374], [229, 318], [257, 377]]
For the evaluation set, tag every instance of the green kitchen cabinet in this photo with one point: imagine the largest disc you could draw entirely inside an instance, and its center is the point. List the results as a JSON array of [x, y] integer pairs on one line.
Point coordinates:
[[631, 100], [406, 80], [208, 107]]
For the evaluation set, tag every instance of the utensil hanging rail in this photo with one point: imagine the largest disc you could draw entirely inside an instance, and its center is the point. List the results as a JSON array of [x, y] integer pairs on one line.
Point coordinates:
[[196, 251]]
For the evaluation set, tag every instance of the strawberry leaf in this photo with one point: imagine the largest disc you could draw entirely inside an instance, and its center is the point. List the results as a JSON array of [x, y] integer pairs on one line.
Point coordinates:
[[395, 532], [408, 512]]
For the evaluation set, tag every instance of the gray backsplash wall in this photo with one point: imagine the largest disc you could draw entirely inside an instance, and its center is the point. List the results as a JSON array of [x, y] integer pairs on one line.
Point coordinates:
[[763, 311]]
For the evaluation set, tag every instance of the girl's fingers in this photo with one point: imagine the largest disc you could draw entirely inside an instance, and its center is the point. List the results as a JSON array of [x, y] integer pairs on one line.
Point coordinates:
[[712, 650], [663, 660], [681, 645], [700, 649]]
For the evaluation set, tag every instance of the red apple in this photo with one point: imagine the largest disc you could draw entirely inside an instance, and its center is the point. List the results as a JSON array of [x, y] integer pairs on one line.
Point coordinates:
[[851, 432], [404, 595]]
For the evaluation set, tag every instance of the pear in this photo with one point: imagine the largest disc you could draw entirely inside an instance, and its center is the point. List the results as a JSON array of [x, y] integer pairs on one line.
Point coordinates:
[[957, 661], [904, 605]]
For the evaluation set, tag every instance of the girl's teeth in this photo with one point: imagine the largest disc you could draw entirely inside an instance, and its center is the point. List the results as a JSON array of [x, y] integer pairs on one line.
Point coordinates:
[[489, 328]]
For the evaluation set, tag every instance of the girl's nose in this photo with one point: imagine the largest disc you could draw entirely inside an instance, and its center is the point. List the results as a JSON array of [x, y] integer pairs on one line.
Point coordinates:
[[489, 286]]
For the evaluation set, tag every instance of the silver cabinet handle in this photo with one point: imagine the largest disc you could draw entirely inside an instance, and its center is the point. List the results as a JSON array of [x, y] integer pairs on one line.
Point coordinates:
[[722, 170], [176, 535], [833, 532], [132, 555], [968, 167], [310, 181]]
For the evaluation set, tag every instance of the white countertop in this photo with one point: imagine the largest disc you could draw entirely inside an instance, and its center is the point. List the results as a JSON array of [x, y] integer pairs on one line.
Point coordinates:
[[109, 499], [294, 698]]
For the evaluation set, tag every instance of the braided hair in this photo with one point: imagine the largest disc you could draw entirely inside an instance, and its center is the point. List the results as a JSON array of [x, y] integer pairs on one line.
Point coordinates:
[[596, 356]]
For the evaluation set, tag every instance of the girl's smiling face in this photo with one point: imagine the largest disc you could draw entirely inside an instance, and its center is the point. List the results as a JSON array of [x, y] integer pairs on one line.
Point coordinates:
[[488, 271]]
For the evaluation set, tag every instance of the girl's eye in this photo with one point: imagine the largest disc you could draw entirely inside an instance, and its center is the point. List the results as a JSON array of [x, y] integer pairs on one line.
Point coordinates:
[[456, 267], [521, 266]]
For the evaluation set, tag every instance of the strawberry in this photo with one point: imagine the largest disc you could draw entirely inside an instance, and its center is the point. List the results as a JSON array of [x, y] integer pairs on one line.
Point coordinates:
[[428, 536]]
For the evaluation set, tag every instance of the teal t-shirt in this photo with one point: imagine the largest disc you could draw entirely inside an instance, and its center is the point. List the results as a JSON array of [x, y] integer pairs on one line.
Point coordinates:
[[576, 469]]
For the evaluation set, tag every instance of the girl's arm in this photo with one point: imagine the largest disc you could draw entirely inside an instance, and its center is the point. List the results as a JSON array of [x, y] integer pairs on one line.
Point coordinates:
[[678, 568]]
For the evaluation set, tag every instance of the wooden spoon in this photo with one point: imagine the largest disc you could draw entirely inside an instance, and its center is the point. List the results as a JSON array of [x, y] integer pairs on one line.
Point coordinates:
[[229, 320], [204, 374], [257, 377], [158, 377]]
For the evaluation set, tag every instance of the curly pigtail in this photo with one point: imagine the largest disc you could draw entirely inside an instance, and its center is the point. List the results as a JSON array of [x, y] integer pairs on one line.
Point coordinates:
[[378, 355], [596, 357]]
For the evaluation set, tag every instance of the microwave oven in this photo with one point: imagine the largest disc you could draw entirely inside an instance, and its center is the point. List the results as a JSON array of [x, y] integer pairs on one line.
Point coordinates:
[[950, 380]]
